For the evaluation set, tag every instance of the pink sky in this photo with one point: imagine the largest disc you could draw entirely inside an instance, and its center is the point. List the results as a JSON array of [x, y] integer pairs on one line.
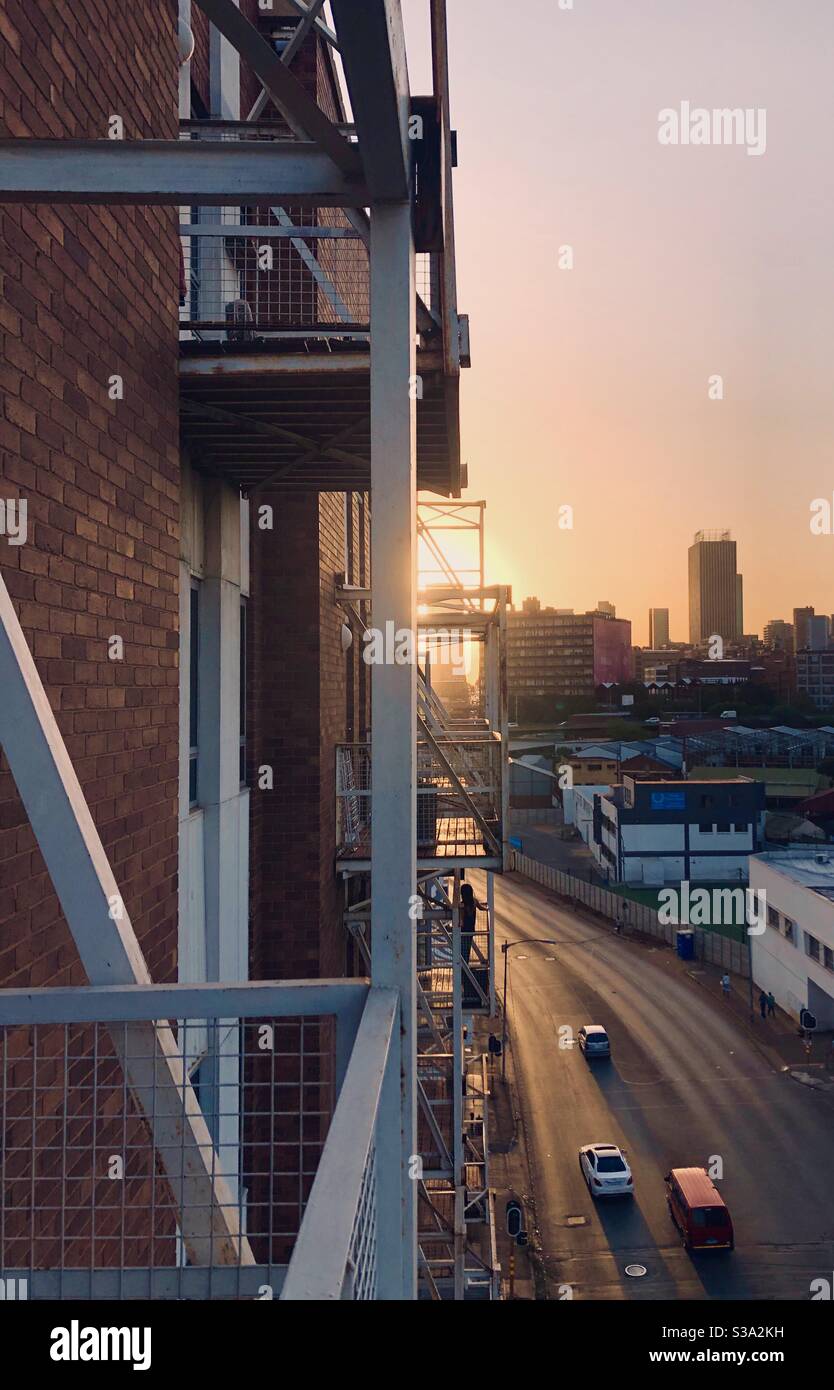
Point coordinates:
[[590, 387]]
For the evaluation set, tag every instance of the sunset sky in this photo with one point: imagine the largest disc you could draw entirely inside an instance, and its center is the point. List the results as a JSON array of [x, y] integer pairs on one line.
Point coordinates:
[[590, 387]]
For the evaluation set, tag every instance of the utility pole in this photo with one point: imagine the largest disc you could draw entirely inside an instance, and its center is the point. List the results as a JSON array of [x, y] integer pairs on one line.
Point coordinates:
[[505, 951]]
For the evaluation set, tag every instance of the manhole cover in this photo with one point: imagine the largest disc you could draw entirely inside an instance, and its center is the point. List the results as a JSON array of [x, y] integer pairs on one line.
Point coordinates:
[[636, 1271]]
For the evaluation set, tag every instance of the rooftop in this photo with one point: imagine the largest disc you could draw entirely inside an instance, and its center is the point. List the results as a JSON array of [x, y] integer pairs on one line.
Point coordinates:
[[810, 868]]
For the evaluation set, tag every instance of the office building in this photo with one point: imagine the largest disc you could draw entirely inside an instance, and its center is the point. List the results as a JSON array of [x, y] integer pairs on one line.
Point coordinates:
[[556, 653], [819, 632], [715, 588], [656, 832], [815, 676], [658, 628], [778, 635], [802, 627]]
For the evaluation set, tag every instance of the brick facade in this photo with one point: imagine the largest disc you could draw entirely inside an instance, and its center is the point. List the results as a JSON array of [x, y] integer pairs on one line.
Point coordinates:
[[87, 294], [303, 692]]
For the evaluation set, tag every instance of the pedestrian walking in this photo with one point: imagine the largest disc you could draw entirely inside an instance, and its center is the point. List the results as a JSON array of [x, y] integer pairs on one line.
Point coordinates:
[[763, 1004], [771, 1005], [725, 985]]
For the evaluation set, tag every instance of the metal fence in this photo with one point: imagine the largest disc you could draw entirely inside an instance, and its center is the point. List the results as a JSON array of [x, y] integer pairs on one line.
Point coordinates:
[[280, 271], [710, 946], [177, 1141], [254, 273]]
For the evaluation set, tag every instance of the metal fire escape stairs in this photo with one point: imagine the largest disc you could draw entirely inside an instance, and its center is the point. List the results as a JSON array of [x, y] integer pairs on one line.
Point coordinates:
[[455, 970]]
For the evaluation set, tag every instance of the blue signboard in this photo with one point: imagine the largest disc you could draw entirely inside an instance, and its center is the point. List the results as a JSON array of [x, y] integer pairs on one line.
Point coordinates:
[[668, 801]]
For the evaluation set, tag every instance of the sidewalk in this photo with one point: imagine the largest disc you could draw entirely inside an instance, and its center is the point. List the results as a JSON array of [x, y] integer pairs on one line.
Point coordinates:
[[510, 1175], [778, 1036]]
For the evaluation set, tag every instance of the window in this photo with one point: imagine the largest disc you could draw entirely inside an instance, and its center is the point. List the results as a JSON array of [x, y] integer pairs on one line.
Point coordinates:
[[741, 827], [812, 946], [193, 691], [705, 826], [773, 918], [723, 827], [789, 931], [243, 692], [707, 801], [828, 958]]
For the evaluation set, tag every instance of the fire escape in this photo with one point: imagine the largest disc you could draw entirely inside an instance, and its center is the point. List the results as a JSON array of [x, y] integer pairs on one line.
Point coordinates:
[[321, 349], [462, 808]]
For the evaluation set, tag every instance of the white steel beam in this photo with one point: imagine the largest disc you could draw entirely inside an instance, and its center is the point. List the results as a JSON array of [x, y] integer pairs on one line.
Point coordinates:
[[199, 173], [321, 1266], [372, 46], [394, 735], [295, 103], [109, 951], [253, 232]]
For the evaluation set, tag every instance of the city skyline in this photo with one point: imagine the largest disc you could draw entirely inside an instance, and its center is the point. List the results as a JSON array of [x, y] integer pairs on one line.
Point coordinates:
[[704, 267]]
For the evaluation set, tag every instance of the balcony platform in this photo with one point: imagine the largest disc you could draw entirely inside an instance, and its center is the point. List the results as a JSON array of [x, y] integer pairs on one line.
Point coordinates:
[[292, 412], [459, 843]]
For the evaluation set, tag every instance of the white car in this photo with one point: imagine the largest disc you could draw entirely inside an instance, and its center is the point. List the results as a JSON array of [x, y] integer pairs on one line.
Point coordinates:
[[593, 1041], [606, 1171]]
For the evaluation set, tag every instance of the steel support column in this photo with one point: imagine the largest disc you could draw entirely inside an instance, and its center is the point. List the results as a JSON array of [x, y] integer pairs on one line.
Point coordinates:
[[458, 1075], [394, 687]]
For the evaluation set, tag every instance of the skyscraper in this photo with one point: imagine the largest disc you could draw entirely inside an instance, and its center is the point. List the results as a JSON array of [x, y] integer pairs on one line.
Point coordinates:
[[715, 592], [658, 628], [779, 635], [819, 632], [802, 627]]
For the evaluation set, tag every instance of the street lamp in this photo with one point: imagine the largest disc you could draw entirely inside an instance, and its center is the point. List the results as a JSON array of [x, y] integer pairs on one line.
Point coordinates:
[[506, 947]]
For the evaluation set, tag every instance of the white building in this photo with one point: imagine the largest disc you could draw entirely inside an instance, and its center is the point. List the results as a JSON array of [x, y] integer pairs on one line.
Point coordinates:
[[794, 958], [578, 803], [650, 833]]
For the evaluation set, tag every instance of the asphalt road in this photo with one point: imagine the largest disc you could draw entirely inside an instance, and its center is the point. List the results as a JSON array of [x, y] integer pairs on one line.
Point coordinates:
[[684, 1084], [542, 842]]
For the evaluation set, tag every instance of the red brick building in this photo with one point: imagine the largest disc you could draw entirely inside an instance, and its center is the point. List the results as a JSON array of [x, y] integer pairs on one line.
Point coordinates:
[[167, 625]]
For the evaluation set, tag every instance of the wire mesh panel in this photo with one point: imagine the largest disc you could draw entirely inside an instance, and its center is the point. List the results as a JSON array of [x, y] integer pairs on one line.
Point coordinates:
[[93, 1182], [244, 285], [361, 1281], [458, 797]]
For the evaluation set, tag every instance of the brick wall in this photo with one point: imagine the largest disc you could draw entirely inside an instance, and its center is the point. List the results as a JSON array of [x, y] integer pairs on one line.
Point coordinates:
[[85, 294], [88, 293], [299, 707]]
